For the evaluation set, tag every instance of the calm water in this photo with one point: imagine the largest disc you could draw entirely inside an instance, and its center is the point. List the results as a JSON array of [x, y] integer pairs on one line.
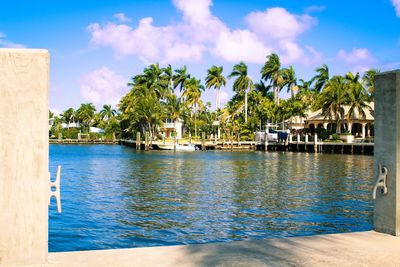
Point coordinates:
[[115, 197]]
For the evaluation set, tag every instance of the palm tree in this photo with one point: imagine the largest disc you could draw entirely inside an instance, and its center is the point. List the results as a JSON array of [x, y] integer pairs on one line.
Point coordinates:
[[289, 80], [107, 113], [321, 78], [264, 89], [168, 78], [180, 77], [215, 79], [333, 97], [369, 82], [356, 96], [242, 84], [68, 116], [272, 71], [152, 80], [192, 95], [175, 108], [86, 113]]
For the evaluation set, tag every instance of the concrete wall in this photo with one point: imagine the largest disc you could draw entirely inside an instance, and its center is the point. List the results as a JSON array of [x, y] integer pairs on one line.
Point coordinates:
[[387, 149], [24, 88]]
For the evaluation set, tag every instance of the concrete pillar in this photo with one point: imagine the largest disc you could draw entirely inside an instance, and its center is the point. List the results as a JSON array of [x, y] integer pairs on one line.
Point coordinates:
[[387, 151], [363, 126], [349, 126], [24, 158], [325, 125]]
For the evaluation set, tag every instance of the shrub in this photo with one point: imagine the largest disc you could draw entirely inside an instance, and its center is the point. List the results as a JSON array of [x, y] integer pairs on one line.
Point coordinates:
[[336, 136]]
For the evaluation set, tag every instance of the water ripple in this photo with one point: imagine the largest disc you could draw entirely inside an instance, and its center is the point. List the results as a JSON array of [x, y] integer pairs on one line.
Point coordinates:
[[116, 197]]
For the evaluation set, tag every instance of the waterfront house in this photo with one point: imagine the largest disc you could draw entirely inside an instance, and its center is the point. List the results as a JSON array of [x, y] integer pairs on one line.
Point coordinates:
[[358, 125], [170, 127]]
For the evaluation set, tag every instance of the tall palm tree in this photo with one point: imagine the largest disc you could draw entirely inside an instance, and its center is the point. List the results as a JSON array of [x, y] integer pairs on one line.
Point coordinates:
[[180, 78], [243, 82], [68, 116], [175, 108], [152, 80], [332, 98], [86, 113], [215, 79], [107, 113], [168, 78], [272, 71], [356, 96], [192, 95], [369, 82], [321, 78], [290, 80]]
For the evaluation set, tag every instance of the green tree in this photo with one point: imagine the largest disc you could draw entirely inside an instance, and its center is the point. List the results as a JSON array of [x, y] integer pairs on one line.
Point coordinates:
[[356, 97], [175, 108], [215, 79], [321, 78], [180, 77], [242, 83], [86, 114], [369, 82], [272, 71], [192, 95], [332, 99], [290, 80], [107, 113]]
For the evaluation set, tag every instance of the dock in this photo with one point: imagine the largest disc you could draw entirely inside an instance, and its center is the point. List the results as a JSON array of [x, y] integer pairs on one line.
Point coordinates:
[[348, 249], [293, 146], [83, 141]]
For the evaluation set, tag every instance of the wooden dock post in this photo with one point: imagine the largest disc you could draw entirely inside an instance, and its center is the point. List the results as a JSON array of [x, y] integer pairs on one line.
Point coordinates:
[[146, 141], [266, 141], [315, 143], [175, 141], [138, 141], [24, 157], [231, 137], [203, 141], [306, 141]]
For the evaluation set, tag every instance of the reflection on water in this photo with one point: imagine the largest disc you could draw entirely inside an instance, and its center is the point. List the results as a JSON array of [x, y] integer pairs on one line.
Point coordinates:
[[116, 197]]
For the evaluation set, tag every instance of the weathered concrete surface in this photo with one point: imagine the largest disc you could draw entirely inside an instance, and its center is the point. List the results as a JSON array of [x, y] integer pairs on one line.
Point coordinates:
[[351, 249], [387, 149], [24, 86]]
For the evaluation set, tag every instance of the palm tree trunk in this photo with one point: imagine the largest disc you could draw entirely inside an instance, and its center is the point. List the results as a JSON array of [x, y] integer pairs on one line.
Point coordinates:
[[218, 99], [195, 117], [245, 106]]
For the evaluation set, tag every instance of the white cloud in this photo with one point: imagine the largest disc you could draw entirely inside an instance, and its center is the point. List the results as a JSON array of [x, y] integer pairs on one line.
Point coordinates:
[[121, 17], [311, 9], [103, 86], [396, 4], [360, 59], [200, 32], [8, 44], [278, 23], [241, 45]]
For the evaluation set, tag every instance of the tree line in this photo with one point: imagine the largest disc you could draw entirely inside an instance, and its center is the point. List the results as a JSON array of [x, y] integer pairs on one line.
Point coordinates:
[[152, 100]]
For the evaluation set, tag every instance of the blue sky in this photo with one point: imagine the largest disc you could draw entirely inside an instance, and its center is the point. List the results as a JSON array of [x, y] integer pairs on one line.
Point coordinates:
[[96, 46]]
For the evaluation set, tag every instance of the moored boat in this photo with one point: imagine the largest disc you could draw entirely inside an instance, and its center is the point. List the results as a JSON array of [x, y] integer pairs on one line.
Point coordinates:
[[177, 147]]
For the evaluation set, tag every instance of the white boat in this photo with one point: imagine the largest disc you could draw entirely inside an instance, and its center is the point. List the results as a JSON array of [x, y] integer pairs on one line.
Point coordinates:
[[177, 147]]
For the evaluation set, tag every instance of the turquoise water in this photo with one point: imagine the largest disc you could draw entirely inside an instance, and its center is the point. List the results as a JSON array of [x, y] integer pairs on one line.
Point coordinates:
[[116, 197]]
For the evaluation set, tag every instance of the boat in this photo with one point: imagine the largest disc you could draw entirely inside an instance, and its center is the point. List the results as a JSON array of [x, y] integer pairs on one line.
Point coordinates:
[[177, 147]]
